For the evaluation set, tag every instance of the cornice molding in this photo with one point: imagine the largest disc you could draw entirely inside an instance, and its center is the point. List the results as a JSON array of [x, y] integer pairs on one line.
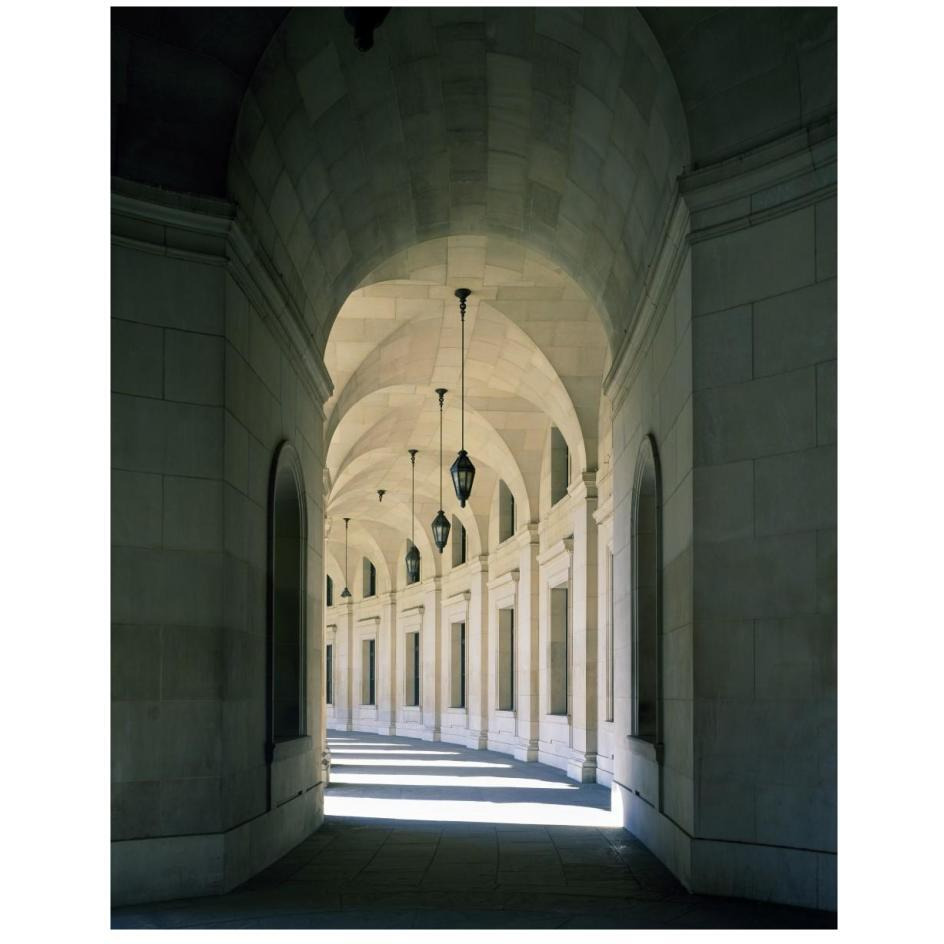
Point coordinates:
[[215, 232], [416, 610], [510, 578], [369, 619], [457, 599], [763, 183], [753, 172], [560, 549]]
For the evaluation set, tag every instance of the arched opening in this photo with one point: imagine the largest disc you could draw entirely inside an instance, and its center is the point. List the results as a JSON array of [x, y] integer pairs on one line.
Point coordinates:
[[369, 578], [287, 571], [458, 542], [560, 466], [506, 512], [646, 595]]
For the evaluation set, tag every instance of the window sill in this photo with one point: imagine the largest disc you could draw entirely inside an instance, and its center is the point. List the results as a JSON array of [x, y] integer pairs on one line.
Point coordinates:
[[643, 747], [505, 712], [283, 750]]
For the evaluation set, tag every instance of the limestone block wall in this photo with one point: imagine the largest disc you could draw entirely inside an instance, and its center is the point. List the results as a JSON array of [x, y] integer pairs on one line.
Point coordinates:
[[650, 392], [168, 317], [265, 404], [750, 75], [764, 358], [203, 393]]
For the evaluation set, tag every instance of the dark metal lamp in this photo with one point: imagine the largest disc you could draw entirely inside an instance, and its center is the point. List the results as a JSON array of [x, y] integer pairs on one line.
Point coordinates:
[[440, 522], [463, 472], [413, 555]]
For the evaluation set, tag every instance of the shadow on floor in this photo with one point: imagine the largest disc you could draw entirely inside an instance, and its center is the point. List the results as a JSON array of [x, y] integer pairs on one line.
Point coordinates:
[[388, 872]]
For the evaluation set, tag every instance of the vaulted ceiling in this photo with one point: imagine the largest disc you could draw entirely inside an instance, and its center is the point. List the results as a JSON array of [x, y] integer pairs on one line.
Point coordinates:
[[535, 355], [530, 154]]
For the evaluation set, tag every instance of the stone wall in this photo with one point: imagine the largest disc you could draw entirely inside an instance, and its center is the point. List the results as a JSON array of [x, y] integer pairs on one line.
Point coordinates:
[[203, 393], [764, 304], [650, 391]]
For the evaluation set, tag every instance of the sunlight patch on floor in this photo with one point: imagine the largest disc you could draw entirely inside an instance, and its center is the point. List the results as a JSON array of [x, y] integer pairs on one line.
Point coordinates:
[[364, 750], [470, 811], [345, 743], [439, 780], [411, 762]]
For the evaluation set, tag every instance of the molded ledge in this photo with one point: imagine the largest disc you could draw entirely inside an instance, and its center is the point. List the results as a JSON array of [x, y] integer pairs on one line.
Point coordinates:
[[283, 750], [645, 748]]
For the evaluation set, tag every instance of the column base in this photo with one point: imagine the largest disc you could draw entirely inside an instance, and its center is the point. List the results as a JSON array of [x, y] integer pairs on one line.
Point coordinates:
[[527, 751], [583, 769]]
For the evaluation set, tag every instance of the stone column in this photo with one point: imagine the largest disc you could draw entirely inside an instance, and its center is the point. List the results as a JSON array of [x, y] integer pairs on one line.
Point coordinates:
[[387, 662], [584, 631], [431, 642], [526, 646], [344, 670], [477, 646]]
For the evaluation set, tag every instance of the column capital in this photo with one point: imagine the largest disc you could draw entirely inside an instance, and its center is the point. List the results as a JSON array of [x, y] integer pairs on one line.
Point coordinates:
[[584, 488], [529, 535]]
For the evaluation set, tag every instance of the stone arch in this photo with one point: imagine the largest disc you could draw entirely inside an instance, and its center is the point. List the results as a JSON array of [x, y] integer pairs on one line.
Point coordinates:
[[562, 128], [646, 628], [288, 541]]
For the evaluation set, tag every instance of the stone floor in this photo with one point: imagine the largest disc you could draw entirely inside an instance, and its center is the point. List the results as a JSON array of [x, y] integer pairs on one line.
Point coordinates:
[[432, 835]]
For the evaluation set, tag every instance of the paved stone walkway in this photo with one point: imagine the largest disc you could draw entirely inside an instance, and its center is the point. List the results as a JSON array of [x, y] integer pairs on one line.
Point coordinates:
[[431, 835]]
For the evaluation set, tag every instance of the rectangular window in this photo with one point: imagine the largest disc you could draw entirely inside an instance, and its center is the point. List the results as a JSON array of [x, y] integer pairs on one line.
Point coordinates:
[[329, 674], [329, 592], [458, 665], [558, 654], [506, 660], [412, 681], [368, 652]]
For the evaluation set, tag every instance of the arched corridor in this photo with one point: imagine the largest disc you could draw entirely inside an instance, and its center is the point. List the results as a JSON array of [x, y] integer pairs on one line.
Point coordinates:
[[637, 599], [561, 862]]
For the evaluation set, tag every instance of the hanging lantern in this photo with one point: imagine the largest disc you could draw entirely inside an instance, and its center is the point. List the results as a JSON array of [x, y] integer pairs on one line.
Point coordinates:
[[440, 522], [412, 555], [345, 593], [463, 472]]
